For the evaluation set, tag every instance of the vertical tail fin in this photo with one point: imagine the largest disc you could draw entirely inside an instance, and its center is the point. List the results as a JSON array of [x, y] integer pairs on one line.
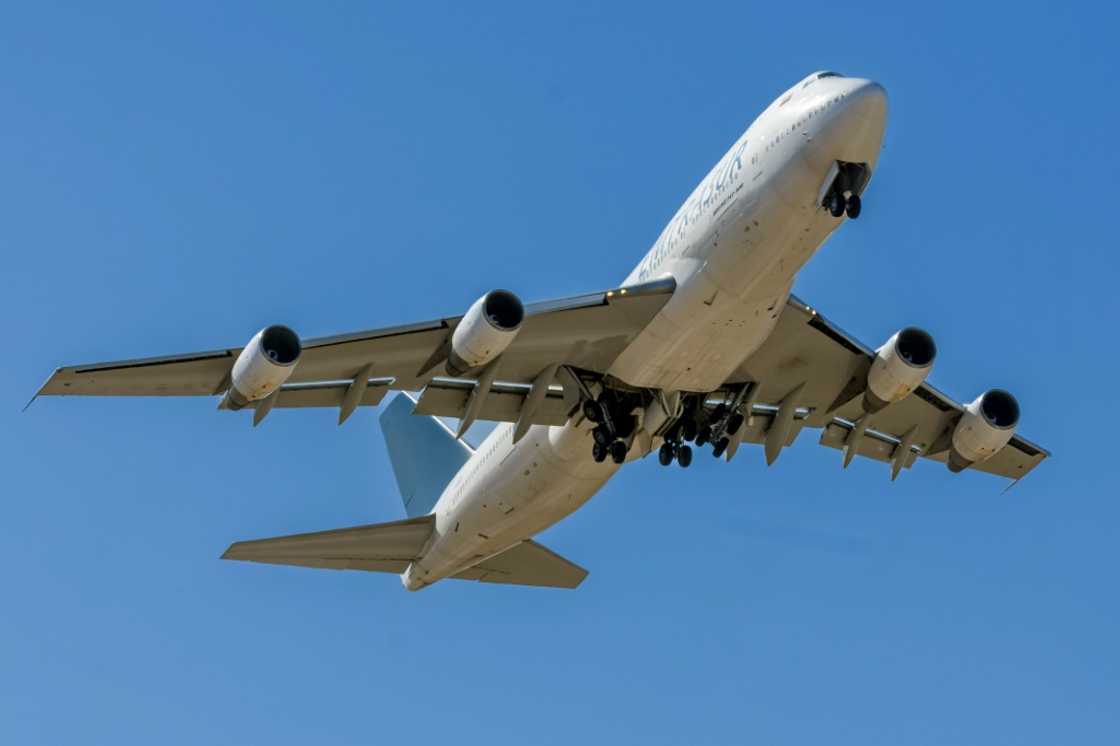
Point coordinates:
[[424, 453]]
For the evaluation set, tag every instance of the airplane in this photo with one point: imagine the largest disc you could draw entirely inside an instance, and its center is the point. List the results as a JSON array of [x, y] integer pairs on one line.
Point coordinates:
[[701, 346]]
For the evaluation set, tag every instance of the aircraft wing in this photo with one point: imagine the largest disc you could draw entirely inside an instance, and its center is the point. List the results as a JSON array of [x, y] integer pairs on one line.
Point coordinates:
[[830, 366], [586, 331]]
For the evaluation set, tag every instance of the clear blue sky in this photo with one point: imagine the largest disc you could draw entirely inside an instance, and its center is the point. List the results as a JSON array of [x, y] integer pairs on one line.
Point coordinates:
[[172, 179]]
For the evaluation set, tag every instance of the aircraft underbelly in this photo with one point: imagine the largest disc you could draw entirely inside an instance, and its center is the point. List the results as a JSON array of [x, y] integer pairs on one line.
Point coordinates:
[[731, 286], [541, 480]]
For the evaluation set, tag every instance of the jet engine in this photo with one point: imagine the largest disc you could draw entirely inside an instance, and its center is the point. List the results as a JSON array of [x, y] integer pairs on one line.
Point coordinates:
[[985, 427], [263, 366], [899, 367], [487, 329]]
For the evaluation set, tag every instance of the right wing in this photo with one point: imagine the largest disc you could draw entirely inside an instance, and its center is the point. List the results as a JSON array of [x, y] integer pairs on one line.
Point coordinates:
[[824, 367], [586, 331]]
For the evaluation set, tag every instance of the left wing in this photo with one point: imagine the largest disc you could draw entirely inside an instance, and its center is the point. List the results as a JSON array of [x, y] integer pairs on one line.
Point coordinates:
[[586, 331], [824, 369]]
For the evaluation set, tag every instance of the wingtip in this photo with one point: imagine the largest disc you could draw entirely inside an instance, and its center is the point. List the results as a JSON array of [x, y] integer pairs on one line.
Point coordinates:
[[40, 390]]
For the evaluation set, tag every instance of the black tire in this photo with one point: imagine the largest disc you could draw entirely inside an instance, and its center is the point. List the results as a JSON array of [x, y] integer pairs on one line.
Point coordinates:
[[602, 436], [854, 206], [592, 411], [688, 430], [734, 424], [618, 451], [599, 453], [704, 435], [720, 447], [665, 455], [836, 204], [684, 456]]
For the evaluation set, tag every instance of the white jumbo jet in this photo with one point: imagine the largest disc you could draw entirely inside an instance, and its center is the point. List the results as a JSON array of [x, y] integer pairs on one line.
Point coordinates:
[[701, 344]]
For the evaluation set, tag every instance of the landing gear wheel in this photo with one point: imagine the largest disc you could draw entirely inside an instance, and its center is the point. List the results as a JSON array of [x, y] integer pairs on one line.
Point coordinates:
[[618, 451], [688, 430], [684, 456], [734, 424], [592, 410], [599, 453], [602, 436], [720, 447], [854, 206], [835, 204], [665, 454], [704, 435]]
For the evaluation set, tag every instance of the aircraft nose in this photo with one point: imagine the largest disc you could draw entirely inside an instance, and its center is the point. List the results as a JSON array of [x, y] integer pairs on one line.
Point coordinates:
[[868, 101], [854, 132]]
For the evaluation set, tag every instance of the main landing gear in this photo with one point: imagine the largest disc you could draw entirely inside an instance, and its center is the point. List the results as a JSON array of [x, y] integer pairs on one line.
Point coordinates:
[[612, 430], [678, 451], [717, 429], [838, 204]]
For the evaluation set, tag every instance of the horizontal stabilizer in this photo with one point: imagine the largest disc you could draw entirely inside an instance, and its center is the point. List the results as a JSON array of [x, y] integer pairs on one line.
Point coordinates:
[[378, 547], [527, 563]]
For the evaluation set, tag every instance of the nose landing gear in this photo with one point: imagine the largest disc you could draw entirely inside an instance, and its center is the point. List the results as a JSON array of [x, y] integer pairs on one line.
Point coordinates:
[[842, 195], [838, 205]]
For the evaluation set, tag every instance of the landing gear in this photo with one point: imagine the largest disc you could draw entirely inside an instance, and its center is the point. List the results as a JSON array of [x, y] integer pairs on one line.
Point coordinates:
[[734, 424], [720, 447], [688, 430], [854, 206], [848, 183], [665, 454], [704, 435], [684, 456], [615, 423]]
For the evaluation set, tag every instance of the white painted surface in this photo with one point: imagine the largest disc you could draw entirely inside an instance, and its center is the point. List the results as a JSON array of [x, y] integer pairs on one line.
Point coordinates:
[[734, 249]]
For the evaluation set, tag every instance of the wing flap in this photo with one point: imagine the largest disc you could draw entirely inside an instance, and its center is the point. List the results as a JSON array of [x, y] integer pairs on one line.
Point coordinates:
[[379, 547], [447, 397], [325, 394], [527, 563]]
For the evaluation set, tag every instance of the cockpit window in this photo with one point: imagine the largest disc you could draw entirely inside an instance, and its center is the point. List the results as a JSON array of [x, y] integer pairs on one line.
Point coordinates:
[[817, 76]]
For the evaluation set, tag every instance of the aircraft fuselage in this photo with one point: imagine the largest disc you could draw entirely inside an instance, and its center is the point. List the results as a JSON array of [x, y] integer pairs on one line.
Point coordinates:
[[733, 248]]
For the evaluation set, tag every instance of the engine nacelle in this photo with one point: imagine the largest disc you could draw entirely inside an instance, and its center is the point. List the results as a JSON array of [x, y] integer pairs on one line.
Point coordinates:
[[263, 366], [985, 427], [899, 367], [487, 329]]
